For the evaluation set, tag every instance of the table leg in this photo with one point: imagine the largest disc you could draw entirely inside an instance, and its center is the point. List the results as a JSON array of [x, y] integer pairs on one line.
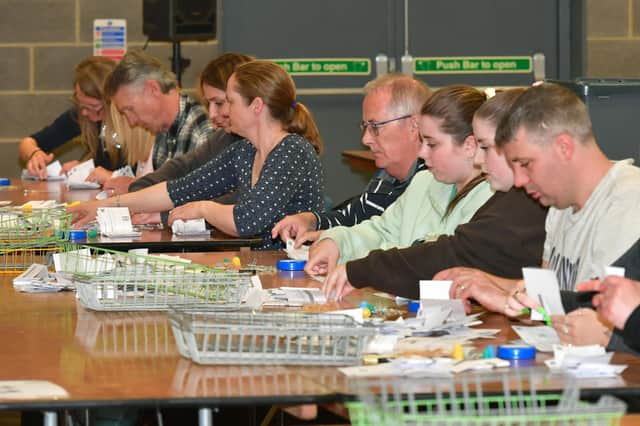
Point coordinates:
[[205, 417], [50, 418]]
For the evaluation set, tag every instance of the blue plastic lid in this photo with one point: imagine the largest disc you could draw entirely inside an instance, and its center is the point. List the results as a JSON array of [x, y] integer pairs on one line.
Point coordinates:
[[516, 352], [78, 234], [5, 181], [413, 306], [291, 265]]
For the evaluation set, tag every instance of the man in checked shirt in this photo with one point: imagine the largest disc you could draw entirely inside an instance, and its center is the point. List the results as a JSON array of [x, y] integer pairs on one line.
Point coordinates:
[[389, 127], [147, 94]]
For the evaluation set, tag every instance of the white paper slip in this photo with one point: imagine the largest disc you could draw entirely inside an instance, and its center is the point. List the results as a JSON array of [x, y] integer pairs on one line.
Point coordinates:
[[5, 203], [618, 271], [542, 337], [301, 253], [295, 296], [355, 313], [53, 172], [431, 289], [30, 389], [83, 185], [189, 227], [80, 173], [115, 222], [542, 286]]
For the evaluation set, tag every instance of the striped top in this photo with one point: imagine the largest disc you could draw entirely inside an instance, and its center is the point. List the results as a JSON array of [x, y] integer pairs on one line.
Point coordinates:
[[381, 191]]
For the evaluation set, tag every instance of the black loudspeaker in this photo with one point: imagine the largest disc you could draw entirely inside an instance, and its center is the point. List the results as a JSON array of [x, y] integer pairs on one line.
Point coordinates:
[[179, 20]]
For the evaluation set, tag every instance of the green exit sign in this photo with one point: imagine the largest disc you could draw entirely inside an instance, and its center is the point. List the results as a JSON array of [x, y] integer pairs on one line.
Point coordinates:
[[326, 66], [473, 65]]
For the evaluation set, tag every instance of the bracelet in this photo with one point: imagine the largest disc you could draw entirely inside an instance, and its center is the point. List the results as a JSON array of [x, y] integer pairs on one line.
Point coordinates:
[[33, 153], [118, 200]]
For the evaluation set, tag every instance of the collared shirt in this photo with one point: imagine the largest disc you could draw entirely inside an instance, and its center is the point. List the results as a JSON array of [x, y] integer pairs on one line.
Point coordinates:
[[190, 129], [382, 190]]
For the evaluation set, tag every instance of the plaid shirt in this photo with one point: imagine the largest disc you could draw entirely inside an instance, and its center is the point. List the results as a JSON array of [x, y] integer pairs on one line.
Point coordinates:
[[191, 128]]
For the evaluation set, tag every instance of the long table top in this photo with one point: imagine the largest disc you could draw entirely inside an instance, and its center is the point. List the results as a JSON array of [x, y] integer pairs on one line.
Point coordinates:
[[130, 358], [157, 240]]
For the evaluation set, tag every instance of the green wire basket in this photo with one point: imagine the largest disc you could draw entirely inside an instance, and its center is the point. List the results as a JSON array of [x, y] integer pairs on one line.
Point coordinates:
[[508, 398], [108, 280], [31, 237]]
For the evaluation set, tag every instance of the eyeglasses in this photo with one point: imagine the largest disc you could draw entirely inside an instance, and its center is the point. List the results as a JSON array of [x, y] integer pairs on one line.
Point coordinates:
[[376, 125], [89, 108]]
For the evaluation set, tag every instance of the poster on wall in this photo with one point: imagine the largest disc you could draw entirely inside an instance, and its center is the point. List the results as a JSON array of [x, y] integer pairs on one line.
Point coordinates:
[[110, 38]]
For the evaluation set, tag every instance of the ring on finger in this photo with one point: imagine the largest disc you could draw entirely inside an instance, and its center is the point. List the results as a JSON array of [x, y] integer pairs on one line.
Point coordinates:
[[461, 287], [565, 328]]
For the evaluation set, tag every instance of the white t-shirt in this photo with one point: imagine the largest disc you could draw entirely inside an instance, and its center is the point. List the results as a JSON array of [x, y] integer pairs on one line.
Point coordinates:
[[578, 245]]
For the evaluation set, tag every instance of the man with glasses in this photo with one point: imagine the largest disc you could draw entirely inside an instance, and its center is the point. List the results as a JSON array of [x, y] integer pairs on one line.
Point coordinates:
[[83, 119], [390, 129]]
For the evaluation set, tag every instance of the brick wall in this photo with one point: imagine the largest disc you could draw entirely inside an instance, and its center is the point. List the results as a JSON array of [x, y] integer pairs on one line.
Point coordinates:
[[41, 41], [613, 38]]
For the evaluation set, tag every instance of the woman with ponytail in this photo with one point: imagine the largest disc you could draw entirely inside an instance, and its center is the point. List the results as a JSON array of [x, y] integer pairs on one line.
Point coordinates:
[[275, 169]]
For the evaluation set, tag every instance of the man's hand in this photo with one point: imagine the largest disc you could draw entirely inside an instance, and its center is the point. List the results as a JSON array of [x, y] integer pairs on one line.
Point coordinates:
[[582, 327], [295, 226], [618, 298]]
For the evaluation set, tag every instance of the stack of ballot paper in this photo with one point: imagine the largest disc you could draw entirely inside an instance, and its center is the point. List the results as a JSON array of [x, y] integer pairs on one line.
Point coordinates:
[[115, 222], [191, 227]]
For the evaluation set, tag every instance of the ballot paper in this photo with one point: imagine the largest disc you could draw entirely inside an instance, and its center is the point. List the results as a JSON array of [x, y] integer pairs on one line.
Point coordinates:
[[189, 227], [77, 176], [53, 172], [36, 279], [295, 296], [436, 307], [542, 286], [301, 253], [115, 222], [30, 389], [542, 337]]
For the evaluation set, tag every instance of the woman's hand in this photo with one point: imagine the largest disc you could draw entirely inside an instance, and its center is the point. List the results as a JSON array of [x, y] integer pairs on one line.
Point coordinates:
[[337, 285], [118, 185], [68, 166], [100, 175], [194, 210], [83, 213], [37, 164]]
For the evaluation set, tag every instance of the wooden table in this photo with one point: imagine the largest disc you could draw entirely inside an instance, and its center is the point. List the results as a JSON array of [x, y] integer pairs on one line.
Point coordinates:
[[130, 358], [360, 160], [157, 240]]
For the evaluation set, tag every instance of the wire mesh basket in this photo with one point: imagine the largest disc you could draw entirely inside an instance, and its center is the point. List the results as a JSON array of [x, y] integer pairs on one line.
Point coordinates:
[[31, 237], [514, 397], [108, 280], [287, 338]]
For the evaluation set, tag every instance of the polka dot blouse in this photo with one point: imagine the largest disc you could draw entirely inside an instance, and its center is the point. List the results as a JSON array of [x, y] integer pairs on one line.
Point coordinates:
[[291, 181]]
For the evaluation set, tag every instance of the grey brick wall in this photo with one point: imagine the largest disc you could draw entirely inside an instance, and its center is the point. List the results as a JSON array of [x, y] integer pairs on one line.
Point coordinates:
[[41, 41], [613, 38]]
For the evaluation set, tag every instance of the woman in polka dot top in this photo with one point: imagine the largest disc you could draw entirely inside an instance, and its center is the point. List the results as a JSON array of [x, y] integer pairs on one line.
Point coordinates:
[[275, 169]]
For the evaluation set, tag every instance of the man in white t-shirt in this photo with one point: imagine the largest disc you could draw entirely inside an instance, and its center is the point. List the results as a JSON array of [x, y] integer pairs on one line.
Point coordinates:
[[594, 202]]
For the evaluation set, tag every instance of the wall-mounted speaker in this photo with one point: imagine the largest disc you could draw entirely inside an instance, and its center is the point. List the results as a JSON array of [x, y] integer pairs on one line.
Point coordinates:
[[179, 20]]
